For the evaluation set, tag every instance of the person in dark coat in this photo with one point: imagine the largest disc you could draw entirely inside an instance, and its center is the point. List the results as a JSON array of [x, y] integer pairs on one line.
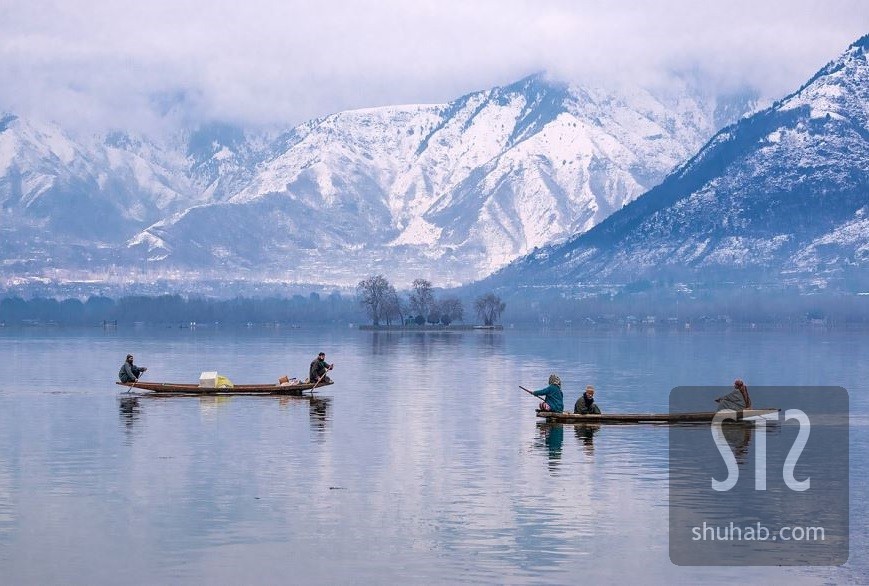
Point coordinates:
[[129, 372], [585, 405], [318, 370]]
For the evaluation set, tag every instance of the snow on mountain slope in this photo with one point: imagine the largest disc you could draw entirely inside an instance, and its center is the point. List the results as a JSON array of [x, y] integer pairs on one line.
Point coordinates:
[[449, 192], [779, 196], [70, 203]]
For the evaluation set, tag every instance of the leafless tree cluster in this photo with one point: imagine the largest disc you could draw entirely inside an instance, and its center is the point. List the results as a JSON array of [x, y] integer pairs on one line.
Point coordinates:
[[379, 298], [489, 307], [385, 305]]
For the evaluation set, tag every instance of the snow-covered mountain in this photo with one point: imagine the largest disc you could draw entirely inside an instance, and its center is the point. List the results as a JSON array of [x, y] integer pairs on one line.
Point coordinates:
[[450, 192], [781, 196], [70, 205]]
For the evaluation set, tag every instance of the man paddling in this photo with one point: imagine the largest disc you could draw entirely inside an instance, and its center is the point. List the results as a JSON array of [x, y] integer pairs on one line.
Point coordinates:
[[553, 398], [318, 370], [129, 372]]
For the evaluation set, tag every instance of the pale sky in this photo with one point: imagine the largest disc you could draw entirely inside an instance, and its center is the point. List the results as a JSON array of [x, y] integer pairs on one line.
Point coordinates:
[[97, 64]]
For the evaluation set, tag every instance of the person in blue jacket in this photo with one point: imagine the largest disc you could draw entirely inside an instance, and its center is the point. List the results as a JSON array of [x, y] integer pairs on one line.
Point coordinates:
[[553, 398]]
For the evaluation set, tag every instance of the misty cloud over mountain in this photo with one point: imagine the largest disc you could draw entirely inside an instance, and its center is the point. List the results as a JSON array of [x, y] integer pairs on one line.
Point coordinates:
[[778, 198]]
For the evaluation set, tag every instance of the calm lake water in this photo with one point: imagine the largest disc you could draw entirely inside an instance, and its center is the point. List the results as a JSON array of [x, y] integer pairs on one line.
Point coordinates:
[[423, 463]]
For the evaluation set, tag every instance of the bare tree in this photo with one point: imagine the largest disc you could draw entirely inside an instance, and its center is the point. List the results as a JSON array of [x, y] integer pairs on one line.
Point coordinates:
[[434, 313], [373, 293], [489, 307], [394, 306], [452, 308], [421, 298]]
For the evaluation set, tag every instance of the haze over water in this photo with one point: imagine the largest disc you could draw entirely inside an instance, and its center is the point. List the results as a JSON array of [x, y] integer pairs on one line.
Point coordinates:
[[423, 463]]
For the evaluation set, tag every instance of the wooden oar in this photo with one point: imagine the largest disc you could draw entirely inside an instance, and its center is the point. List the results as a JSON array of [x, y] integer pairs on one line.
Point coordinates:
[[538, 397], [322, 376], [133, 386], [141, 372]]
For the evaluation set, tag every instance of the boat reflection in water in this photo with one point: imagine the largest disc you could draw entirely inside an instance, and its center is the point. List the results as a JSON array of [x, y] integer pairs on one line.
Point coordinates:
[[585, 433], [320, 413], [550, 440], [209, 404], [319, 408], [737, 436], [129, 411]]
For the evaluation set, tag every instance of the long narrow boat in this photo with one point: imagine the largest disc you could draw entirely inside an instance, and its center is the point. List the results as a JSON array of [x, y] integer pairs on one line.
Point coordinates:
[[697, 417], [195, 389]]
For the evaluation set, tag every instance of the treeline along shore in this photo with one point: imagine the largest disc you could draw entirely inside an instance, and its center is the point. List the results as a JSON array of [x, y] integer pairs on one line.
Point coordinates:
[[177, 309], [642, 309], [429, 328]]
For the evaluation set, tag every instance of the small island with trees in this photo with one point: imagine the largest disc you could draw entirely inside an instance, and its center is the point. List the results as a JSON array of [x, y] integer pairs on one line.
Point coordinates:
[[419, 309]]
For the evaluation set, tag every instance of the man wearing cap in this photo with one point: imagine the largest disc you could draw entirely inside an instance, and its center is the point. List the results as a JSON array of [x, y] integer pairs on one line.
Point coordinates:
[[585, 405], [319, 366], [554, 399], [129, 372]]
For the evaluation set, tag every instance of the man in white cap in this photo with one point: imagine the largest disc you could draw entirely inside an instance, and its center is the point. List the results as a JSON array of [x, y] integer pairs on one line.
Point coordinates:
[[585, 405]]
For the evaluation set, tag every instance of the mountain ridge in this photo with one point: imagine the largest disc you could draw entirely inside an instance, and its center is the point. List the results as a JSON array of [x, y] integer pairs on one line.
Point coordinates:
[[765, 194], [449, 192]]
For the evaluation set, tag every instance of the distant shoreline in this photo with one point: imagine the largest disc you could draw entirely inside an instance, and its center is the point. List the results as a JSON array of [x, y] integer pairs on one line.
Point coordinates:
[[430, 328]]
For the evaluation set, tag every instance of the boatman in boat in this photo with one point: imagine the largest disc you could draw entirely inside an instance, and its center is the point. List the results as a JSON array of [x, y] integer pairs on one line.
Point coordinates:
[[585, 405], [319, 367], [129, 372], [553, 398], [737, 400]]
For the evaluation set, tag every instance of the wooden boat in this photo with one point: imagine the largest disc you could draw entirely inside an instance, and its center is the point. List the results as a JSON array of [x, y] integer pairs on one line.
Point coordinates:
[[195, 389], [697, 417]]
